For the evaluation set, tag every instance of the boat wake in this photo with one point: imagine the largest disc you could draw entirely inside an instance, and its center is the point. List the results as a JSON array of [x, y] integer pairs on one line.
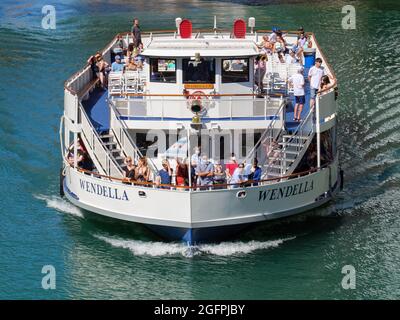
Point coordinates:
[[150, 248], [60, 205]]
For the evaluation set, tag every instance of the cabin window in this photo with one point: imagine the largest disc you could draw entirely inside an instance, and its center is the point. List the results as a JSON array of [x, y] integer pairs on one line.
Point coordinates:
[[163, 70], [202, 71], [235, 70]]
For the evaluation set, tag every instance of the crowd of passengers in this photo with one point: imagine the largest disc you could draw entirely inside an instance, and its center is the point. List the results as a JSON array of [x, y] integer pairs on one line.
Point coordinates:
[[204, 173], [126, 58], [276, 45]]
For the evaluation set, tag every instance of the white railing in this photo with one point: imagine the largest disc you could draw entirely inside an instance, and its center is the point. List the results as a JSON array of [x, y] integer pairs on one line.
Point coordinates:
[[268, 136], [214, 107], [297, 143], [96, 148], [126, 143]]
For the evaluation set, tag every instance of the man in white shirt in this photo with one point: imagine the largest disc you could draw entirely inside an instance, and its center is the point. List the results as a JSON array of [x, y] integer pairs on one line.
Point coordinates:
[[314, 76], [297, 80]]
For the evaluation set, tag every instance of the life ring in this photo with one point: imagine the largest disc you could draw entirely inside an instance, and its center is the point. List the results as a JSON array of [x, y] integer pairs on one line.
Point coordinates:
[[197, 101]]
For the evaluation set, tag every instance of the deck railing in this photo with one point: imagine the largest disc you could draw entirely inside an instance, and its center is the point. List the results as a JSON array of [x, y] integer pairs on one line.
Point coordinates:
[[216, 187], [214, 107], [96, 148]]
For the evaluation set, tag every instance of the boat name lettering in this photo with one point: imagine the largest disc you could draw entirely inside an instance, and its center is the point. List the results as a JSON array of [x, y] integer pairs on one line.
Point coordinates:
[[287, 191], [107, 192]]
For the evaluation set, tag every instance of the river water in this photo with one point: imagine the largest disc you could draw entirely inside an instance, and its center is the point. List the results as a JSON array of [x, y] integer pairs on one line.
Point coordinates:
[[297, 258]]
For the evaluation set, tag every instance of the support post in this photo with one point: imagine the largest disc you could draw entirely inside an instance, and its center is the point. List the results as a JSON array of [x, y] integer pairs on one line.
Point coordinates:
[[75, 149], [318, 128], [189, 159]]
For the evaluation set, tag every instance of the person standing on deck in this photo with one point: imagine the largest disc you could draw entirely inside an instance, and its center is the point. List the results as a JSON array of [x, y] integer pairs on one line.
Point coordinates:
[[314, 76], [260, 67], [205, 171], [297, 80], [136, 34]]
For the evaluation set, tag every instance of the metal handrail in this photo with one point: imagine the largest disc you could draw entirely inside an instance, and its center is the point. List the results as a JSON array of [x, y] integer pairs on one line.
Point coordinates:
[[124, 128], [97, 136], [269, 129], [298, 132], [245, 184]]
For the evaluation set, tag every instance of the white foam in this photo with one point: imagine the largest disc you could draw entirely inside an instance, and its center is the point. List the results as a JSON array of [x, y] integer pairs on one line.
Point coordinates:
[[231, 248], [60, 205], [150, 248]]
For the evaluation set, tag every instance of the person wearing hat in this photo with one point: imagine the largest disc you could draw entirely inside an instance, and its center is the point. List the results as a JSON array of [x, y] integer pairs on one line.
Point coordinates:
[[117, 66], [273, 36]]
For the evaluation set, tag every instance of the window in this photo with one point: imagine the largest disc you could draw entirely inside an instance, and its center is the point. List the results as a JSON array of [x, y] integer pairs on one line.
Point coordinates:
[[202, 71], [235, 70], [163, 70]]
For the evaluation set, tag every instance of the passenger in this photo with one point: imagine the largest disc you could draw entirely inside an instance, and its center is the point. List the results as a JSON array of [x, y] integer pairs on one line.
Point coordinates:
[[219, 175], [119, 46], [239, 176], [99, 67], [255, 173], [299, 46], [266, 47], [182, 173], [196, 158], [165, 174], [137, 58], [129, 52], [231, 166], [272, 150], [280, 45], [80, 155], [131, 65], [273, 36], [291, 58], [314, 76], [136, 34], [326, 82], [297, 80], [117, 66], [205, 171], [302, 40], [260, 70], [281, 58], [129, 170], [142, 171]]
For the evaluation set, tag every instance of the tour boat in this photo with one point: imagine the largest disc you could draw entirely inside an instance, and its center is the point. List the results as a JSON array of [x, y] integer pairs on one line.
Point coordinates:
[[198, 88]]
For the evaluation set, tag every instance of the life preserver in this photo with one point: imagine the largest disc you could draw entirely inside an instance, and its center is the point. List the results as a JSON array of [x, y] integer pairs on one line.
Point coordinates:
[[196, 101]]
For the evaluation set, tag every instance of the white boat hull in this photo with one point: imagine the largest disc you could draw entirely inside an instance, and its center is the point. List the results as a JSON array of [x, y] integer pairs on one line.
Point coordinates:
[[200, 216]]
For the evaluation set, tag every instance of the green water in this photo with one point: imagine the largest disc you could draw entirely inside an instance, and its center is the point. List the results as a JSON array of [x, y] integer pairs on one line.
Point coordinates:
[[296, 258]]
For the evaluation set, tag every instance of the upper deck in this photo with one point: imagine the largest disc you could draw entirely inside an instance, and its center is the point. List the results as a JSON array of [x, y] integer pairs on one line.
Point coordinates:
[[161, 94]]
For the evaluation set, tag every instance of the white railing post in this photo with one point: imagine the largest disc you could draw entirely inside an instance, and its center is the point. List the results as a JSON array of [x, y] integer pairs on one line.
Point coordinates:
[[265, 107], [318, 129], [230, 107]]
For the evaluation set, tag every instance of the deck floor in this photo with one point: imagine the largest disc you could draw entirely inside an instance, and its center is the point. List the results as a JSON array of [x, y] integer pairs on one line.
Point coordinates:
[[97, 109]]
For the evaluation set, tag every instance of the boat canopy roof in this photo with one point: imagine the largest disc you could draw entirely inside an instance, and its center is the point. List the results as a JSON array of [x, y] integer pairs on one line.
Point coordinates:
[[204, 47]]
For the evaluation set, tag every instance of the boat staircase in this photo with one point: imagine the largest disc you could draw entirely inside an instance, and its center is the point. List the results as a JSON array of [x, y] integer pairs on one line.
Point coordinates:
[[280, 149], [108, 148]]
